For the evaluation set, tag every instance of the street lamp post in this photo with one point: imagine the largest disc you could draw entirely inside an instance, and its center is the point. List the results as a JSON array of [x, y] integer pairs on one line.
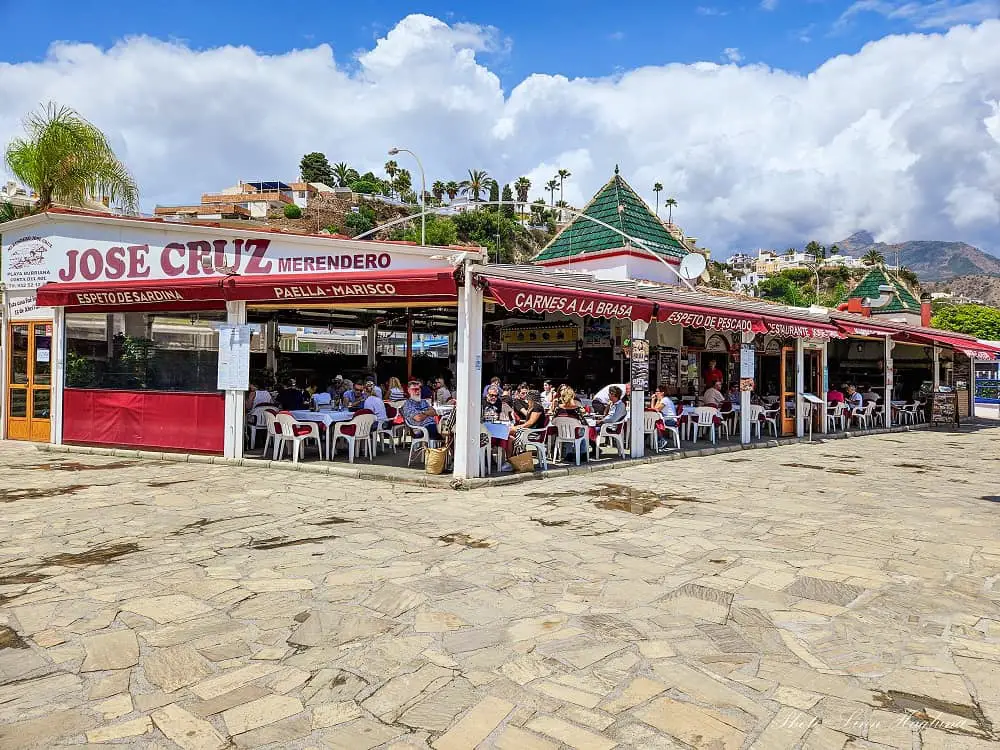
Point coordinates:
[[423, 191]]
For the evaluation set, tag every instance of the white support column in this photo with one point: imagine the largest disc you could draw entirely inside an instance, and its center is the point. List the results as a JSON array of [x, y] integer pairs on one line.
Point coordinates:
[[800, 423], [57, 355], [825, 383], [469, 379], [637, 402], [236, 314], [372, 338], [887, 372], [745, 433]]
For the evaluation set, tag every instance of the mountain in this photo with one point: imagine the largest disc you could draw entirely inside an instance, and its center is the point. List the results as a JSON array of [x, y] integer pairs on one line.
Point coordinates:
[[931, 260], [986, 288]]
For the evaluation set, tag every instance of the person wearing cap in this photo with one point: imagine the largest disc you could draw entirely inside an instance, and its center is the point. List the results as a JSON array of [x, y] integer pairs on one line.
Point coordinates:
[[336, 389], [418, 412]]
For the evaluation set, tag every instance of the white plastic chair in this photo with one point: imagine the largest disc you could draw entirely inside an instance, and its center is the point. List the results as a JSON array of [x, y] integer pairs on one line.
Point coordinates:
[[704, 419], [298, 433], [387, 429], [835, 416], [363, 424], [863, 415], [572, 432], [650, 433], [257, 422], [613, 432], [756, 410], [535, 440], [419, 439], [911, 413], [272, 433], [771, 420]]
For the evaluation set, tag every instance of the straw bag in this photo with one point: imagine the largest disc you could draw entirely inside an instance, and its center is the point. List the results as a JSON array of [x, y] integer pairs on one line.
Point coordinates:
[[522, 462], [435, 459]]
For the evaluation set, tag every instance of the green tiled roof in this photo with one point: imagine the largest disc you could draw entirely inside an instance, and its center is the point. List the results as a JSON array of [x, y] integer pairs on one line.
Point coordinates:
[[633, 218], [902, 300]]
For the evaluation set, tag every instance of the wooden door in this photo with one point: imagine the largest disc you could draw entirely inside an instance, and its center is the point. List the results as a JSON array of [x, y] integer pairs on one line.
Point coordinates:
[[29, 381], [787, 402]]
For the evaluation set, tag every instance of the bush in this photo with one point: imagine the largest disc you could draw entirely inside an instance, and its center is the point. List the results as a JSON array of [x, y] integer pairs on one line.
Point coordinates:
[[292, 211]]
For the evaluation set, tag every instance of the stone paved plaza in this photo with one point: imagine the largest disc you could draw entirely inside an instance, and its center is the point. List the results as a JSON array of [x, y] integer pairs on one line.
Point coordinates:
[[817, 596]]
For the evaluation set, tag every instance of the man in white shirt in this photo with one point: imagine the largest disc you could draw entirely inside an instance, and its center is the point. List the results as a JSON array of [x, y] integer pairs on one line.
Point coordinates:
[[373, 403], [713, 396]]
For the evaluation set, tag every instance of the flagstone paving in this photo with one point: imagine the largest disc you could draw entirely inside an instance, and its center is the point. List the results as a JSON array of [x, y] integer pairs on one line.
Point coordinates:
[[836, 595]]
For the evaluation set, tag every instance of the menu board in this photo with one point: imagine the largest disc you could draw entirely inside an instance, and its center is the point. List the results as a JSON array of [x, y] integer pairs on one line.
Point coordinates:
[[667, 366], [944, 408], [234, 357], [640, 365]]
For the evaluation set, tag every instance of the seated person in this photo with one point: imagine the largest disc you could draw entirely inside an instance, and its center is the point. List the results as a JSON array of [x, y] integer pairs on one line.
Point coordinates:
[[519, 402], [662, 403], [336, 389], [616, 407], [713, 395], [355, 397], [346, 394], [258, 396], [534, 420], [441, 393], [494, 383], [373, 402], [291, 398], [320, 397], [867, 394], [495, 410], [835, 396], [854, 398], [396, 392], [418, 411], [568, 406]]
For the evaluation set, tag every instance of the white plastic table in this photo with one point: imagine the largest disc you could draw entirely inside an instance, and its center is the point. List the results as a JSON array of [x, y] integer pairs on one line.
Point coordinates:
[[498, 430], [324, 417]]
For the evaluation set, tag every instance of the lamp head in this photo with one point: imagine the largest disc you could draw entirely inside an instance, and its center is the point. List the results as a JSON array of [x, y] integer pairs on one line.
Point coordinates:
[[393, 151]]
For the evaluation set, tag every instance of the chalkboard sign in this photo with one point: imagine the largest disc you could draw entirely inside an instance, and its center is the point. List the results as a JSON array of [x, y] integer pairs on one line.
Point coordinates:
[[944, 408], [667, 368], [640, 365]]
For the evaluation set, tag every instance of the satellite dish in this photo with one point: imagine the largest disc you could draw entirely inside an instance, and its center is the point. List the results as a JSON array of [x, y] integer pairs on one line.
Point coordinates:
[[693, 266]]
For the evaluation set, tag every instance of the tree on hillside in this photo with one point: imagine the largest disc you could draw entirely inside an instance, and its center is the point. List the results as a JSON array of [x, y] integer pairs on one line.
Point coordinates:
[[551, 186], [391, 169], [873, 258], [538, 211], [438, 190], [563, 175], [494, 193], [670, 203], [440, 230], [403, 182], [451, 188], [475, 186], [816, 250], [980, 321], [834, 250], [908, 277], [343, 174], [522, 185], [314, 167], [66, 159], [657, 188], [508, 195]]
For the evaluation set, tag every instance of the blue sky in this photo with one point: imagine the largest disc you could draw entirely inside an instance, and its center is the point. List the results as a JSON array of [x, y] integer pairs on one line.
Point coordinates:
[[811, 118], [573, 39]]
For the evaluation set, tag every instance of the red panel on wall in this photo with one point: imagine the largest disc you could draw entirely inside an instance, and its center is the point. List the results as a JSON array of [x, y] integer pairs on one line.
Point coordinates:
[[145, 419]]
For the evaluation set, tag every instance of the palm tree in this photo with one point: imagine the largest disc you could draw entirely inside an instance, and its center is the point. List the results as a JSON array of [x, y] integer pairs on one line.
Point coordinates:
[[563, 175], [391, 168], [551, 186], [873, 258], [670, 203], [451, 188], [657, 187], [343, 173], [473, 187], [521, 186], [67, 159], [438, 190]]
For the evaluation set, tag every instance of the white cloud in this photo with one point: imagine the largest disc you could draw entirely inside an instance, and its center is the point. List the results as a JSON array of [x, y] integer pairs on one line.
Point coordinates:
[[923, 14], [732, 54], [902, 138], [768, 4], [708, 10]]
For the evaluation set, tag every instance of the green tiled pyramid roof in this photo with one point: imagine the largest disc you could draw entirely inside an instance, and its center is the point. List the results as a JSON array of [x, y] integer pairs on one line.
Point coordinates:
[[902, 301], [634, 219]]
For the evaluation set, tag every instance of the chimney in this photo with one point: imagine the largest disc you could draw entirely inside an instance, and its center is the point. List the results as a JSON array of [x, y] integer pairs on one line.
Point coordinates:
[[925, 310], [854, 306]]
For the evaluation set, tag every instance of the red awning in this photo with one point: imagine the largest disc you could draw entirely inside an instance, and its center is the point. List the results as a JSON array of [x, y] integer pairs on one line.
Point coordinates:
[[969, 347], [864, 329], [374, 288], [528, 297], [694, 316], [173, 294], [800, 329]]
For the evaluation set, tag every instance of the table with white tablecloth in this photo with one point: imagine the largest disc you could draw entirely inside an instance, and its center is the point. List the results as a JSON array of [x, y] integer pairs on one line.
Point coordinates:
[[326, 418]]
